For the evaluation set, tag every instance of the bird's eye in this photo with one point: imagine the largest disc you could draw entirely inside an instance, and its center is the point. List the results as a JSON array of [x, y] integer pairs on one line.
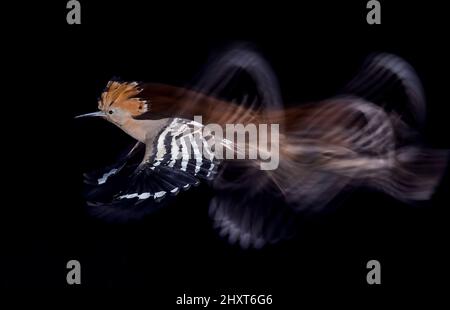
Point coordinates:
[[110, 111]]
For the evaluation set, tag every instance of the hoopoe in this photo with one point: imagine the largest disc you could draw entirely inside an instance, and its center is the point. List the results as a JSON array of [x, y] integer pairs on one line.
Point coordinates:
[[324, 147]]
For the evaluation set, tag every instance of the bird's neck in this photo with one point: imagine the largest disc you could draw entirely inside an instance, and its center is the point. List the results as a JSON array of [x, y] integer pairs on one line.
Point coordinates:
[[143, 130]]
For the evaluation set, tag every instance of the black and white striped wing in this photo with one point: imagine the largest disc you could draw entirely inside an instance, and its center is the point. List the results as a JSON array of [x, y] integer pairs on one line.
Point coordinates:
[[179, 159], [185, 146]]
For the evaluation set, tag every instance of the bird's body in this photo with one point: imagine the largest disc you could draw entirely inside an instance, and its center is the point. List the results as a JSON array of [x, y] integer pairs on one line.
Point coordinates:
[[322, 148]]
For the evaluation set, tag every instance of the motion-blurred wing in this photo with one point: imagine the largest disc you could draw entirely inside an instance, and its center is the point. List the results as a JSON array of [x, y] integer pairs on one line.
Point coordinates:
[[252, 215], [248, 208], [390, 81]]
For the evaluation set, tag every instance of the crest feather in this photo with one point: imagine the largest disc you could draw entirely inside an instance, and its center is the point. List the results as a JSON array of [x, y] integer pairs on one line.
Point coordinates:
[[125, 96]]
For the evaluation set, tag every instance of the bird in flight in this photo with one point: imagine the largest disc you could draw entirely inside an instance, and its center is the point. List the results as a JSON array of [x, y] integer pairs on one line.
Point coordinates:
[[322, 148]]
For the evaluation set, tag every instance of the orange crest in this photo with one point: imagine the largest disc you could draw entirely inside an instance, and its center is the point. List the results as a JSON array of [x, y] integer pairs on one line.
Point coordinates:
[[123, 95]]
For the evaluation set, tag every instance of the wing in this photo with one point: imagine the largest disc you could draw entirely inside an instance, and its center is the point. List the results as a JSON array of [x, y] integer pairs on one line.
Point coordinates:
[[251, 215], [101, 176], [389, 80], [248, 209], [172, 163]]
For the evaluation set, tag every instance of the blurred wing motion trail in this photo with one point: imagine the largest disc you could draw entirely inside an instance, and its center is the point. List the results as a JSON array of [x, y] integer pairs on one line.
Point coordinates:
[[368, 135]]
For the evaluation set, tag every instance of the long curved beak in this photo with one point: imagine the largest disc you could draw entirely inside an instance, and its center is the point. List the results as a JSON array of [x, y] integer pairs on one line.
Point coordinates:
[[93, 114]]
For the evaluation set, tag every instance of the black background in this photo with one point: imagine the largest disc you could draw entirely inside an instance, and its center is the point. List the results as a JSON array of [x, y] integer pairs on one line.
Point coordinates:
[[314, 48]]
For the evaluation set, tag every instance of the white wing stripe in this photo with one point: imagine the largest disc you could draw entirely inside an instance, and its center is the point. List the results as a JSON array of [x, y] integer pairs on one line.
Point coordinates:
[[161, 149]]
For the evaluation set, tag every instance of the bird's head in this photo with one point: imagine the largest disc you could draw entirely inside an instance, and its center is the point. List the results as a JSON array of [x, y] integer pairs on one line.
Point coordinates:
[[120, 102]]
